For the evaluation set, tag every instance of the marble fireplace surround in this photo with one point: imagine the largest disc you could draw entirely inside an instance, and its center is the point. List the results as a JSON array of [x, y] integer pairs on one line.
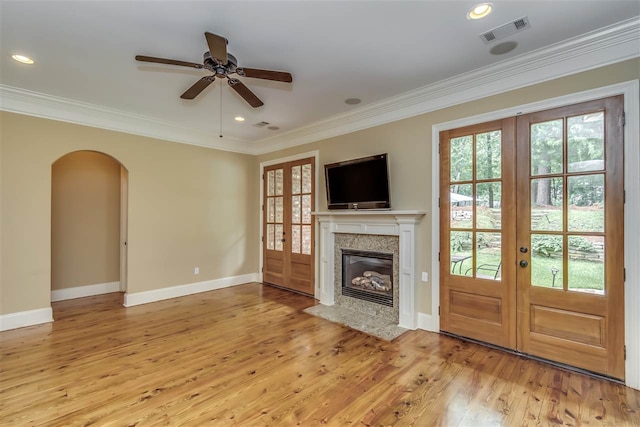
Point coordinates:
[[372, 222]]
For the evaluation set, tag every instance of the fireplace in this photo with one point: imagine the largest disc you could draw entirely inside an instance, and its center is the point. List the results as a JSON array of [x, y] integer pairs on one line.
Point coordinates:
[[368, 276]]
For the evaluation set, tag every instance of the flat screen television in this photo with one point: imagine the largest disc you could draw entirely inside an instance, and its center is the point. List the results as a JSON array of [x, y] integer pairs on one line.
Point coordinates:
[[358, 184]]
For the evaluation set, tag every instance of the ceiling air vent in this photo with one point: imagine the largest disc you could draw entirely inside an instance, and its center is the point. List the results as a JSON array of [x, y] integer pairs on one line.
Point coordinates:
[[505, 30], [261, 124]]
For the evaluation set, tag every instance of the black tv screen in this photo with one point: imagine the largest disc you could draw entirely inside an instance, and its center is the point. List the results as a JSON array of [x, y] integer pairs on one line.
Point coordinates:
[[358, 184]]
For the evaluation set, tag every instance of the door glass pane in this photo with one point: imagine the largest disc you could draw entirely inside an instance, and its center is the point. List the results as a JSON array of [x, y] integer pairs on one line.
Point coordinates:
[[295, 209], [306, 239], [295, 239], [586, 264], [295, 180], [488, 155], [546, 147], [306, 209], [461, 151], [586, 203], [585, 142], [461, 198], [270, 236], [546, 260], [546, 204], [461, 254], [488, 198], [279, 236], [488, 256], [306, 178], [271, 182], [279, 182], [271, 209], [279, 209]]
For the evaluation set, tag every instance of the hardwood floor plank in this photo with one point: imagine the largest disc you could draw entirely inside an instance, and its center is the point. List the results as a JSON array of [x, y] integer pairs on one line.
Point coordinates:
[[249, 355]]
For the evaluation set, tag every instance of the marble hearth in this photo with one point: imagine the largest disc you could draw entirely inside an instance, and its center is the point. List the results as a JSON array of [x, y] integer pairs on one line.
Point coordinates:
[[383, 231]]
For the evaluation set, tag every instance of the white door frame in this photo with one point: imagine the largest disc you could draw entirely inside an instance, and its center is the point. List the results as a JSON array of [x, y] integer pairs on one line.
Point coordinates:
[[124, 226], [315, 154], [631, 92]]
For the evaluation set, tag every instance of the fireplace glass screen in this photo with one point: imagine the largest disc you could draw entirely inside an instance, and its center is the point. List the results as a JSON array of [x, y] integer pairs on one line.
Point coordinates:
[[368, 276]]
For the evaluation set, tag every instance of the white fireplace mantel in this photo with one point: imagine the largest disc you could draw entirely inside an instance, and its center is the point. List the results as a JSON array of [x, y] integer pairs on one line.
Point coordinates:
[[386, 223]]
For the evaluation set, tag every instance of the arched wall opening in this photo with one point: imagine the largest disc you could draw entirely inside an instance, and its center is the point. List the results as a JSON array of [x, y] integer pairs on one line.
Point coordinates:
[[88, 225]]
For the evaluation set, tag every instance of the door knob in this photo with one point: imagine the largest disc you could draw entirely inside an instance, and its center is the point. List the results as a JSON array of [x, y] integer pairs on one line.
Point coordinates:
[[523, 249], [523, 263], [282, 240]]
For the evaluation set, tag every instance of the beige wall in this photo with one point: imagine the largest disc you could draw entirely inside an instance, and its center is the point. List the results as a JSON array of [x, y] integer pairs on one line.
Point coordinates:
[[408, 143], [188, 207], [191, 206], [85, 220]]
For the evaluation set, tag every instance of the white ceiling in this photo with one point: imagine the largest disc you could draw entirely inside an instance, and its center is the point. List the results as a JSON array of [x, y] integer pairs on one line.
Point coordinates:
[[373, 50]]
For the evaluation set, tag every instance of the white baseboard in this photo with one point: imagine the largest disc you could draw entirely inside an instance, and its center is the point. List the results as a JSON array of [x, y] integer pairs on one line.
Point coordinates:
[[425, 321], [84, 291], [189, 289], [22, 319]]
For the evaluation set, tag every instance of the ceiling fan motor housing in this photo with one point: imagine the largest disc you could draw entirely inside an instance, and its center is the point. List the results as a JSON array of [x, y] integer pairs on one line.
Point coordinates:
[[220, 69]]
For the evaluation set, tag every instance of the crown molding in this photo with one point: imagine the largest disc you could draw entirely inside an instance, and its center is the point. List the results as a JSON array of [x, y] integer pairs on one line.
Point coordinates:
[[37, 104], [606, 46]]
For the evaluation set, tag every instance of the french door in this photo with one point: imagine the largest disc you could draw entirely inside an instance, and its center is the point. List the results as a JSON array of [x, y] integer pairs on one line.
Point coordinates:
[[532, 234], [288, 249]]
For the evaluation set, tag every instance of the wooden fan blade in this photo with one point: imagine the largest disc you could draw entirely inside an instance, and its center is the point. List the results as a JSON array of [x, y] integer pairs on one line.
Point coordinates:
[[245, 92], [278, 76], [167, 61], [198, 87], [217, 47]]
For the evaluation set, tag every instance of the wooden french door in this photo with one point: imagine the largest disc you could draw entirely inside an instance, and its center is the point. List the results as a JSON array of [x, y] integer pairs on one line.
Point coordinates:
[[561, 233], [288, 249]]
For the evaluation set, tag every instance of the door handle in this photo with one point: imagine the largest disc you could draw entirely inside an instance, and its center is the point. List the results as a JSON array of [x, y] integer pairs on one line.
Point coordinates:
[[282, 240], [523, 263], [524, 249]]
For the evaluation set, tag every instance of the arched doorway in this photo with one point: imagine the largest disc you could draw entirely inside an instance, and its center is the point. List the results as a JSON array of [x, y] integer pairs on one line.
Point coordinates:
[[88, 225]]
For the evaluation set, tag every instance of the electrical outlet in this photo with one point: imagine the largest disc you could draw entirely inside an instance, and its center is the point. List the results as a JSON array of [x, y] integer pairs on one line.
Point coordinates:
[[196, 270], [425, 276]]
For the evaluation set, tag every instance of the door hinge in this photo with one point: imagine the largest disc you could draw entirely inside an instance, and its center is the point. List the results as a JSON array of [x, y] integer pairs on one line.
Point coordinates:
[[438, 201], [438, 256], [624, 118], [624, 197], [624, 274], [625, 352], [262, 208], [262, 269], [263, 177], [438, 310], [262, 239], [438, 148]]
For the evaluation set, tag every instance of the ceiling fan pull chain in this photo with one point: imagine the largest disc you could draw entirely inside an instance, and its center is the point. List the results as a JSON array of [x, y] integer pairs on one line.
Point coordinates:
[[220, 111]]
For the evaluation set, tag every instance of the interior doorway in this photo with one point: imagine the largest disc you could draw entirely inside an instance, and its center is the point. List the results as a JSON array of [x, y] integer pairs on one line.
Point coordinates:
[[89, 194]]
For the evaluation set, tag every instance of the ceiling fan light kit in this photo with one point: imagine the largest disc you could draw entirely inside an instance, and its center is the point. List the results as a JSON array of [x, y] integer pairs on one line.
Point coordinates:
[[222, 64]]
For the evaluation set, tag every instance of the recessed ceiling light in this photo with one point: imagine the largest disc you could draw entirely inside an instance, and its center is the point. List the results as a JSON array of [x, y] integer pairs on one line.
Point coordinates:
[[22, 58], [353, 101], [239, 119], [480, 11]]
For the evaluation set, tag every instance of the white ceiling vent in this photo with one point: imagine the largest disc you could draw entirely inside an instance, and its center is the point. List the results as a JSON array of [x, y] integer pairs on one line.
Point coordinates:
[[261, 124], [505, 30]]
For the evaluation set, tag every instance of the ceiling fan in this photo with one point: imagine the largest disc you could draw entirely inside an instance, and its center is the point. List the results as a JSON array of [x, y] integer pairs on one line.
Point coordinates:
[[222, 65]]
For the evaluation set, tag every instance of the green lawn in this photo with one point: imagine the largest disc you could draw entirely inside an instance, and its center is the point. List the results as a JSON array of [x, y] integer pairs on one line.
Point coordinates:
[[582, 274]]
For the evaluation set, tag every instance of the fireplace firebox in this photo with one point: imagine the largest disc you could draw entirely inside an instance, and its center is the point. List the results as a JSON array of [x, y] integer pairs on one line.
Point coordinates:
[[368, 276]]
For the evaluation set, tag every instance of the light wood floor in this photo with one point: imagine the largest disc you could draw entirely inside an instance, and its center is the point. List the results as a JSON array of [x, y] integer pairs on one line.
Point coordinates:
[[248, 356]]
